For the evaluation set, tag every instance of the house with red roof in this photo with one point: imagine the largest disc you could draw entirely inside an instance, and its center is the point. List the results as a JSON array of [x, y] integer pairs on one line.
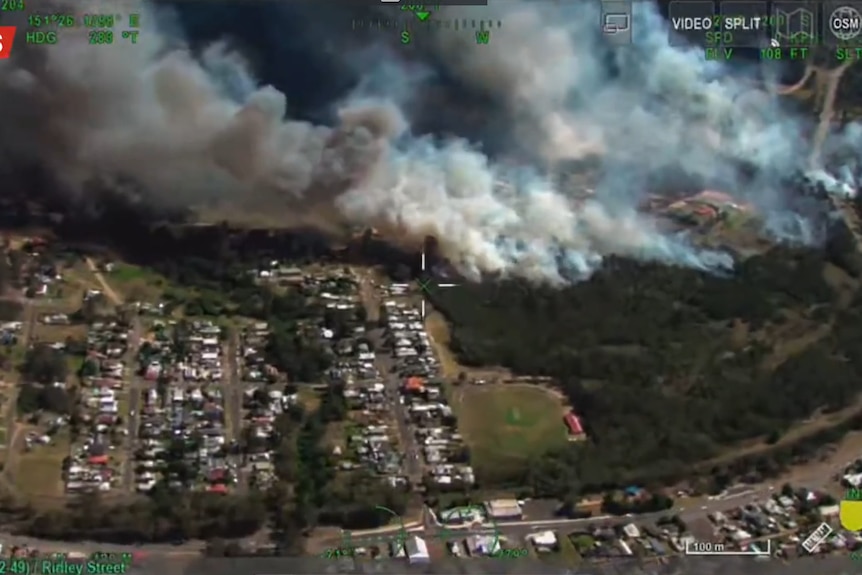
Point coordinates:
[[414, 385]]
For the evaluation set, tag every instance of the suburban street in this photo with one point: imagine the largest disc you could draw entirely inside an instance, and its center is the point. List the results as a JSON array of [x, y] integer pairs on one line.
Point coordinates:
[[231, 386], [689, 509], [384, 362], [136, 386], [412, 455], [816, 476]]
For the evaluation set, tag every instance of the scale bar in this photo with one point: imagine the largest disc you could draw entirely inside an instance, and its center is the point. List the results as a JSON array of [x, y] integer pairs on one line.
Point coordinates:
[[730, 552], [447, 285], [818, 536], [752, 553]]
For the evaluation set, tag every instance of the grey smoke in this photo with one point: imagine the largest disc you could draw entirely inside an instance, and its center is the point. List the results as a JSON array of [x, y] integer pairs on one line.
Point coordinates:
[[200, 129]]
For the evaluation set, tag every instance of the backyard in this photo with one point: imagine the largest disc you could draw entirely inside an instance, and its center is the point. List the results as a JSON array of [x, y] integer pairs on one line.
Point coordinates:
[[135, 282], [38, 473]]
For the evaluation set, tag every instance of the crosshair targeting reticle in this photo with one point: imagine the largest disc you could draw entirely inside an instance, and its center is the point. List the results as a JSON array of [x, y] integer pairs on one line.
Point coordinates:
[[427, 283]]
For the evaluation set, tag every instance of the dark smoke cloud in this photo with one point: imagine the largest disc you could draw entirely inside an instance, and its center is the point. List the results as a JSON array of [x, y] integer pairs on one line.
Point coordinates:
[[414, 141]]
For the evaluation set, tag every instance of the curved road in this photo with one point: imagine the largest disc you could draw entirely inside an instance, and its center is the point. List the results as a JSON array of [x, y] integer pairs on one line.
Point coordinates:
[[828, 80], [689, 509]]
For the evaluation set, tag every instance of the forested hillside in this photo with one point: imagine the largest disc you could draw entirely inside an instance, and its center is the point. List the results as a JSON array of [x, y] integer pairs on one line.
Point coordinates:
[[669, 366]]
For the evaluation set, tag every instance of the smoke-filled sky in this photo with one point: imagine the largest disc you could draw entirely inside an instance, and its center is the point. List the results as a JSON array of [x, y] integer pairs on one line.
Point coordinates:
[[286, 105]]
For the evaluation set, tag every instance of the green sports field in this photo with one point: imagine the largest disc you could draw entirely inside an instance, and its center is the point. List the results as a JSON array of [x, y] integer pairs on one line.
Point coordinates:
[[509, 421]]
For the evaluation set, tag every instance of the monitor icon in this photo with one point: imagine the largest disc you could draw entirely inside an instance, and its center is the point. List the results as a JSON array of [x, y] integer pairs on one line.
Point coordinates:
[[615, 24]]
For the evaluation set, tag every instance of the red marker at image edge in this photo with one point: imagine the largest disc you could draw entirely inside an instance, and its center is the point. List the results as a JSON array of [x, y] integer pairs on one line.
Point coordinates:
[[7, 37]]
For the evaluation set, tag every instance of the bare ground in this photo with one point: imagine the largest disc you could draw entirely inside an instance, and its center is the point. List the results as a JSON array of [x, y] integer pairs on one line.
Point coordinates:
[[438, 332], [810, 426], [112, 295], [368, 282]]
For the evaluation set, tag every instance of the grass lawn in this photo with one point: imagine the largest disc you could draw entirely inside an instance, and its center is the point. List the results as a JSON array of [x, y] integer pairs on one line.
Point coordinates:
[[505, 422], [135, 282], [16, 355], [568, 554], [74, 362], [309, 398], [123, 272], [58, 333], [39, 472]]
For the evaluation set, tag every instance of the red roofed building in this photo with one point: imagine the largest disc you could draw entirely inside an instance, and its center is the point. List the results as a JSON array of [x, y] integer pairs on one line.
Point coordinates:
[[414, 385], [573, 423]]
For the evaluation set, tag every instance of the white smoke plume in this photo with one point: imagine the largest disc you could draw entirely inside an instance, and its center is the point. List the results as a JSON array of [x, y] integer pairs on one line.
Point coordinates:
[[199, 128]]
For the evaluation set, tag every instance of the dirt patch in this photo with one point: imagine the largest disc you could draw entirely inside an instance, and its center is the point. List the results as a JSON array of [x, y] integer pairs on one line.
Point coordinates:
[[438, 332], [368, 282], [844, 284], [309, 398], [58, 333], [812, 425], [38, 474], [109, 292], [793, 339]]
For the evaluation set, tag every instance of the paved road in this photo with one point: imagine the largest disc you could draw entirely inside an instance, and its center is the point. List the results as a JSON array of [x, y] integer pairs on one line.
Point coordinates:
[[232, 386], [186, 550], [412, 454], [137, 386], [384, 362], [687, 509]]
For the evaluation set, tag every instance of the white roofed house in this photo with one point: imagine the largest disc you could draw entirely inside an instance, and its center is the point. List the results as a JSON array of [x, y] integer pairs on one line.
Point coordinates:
[[503, 509], [543, 541], [417, 550]]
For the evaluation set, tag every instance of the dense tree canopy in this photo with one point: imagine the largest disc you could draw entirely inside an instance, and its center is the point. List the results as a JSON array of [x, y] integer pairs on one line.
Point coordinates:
[[33, 398], [668, 366], [44, 364]]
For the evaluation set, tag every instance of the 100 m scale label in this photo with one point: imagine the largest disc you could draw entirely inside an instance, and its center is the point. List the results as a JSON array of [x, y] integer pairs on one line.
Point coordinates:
[[715, 548]]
